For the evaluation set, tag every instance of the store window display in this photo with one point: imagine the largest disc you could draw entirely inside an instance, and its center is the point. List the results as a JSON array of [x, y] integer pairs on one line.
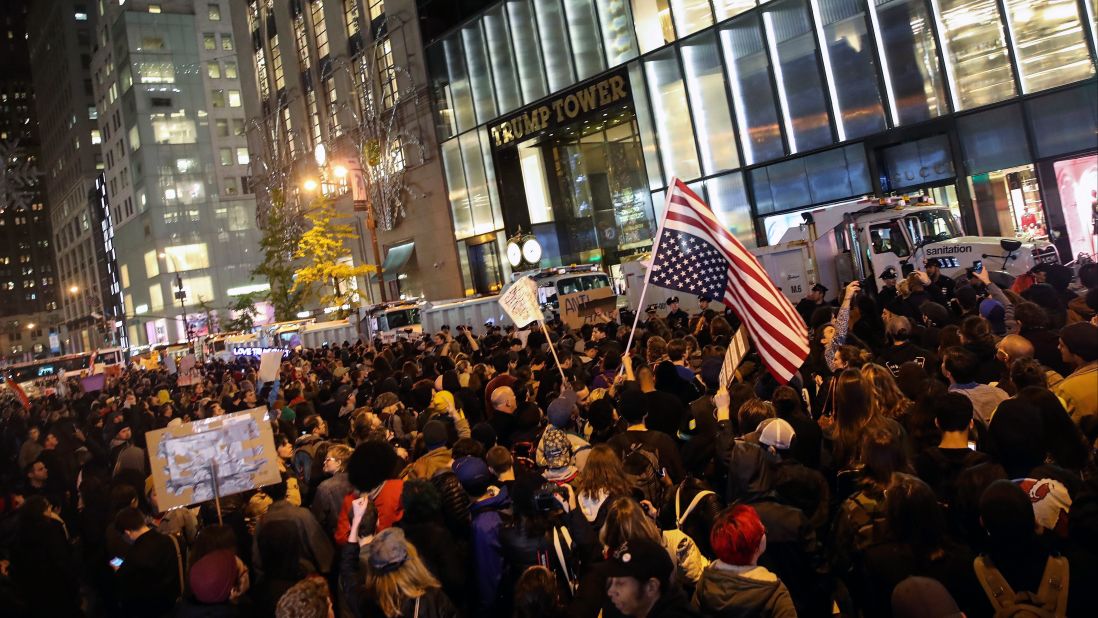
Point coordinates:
[[1077, 184]]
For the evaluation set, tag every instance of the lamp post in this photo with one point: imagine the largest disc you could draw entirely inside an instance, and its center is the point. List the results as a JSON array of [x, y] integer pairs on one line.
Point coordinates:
[[180, 294]]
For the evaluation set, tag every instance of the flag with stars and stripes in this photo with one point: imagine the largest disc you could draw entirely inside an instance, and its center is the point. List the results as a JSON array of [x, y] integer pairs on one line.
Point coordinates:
[[696, 255]]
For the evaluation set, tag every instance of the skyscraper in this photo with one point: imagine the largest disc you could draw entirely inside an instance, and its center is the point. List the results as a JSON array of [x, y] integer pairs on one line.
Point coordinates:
[[60, 36], [28, 281], [171, 121]]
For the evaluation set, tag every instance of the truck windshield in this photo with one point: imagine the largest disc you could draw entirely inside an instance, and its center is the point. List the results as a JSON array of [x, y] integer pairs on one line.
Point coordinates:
[[547, 292], [930, 226], [397, 319]]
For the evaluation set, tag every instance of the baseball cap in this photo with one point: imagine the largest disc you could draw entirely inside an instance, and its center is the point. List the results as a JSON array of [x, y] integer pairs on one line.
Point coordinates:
[[776, 432], [560, 409], [641, 559], [933, 262], [472, 471], [556, 448], [819, 288]]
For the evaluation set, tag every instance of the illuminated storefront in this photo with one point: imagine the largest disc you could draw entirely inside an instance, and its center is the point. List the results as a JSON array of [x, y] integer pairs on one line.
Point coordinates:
[[764, 109]]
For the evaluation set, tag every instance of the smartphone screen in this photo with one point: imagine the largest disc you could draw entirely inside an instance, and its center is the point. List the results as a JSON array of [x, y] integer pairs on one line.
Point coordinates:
[[978, 266], [116, 562], [971, 445]]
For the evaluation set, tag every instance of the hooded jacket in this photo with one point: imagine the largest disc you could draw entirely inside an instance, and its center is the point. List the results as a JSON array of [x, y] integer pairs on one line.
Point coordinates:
[[488, 518], [730, 592]]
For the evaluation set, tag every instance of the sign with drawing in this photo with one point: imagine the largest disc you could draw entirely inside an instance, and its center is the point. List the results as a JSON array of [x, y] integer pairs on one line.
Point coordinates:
[[578, 308]]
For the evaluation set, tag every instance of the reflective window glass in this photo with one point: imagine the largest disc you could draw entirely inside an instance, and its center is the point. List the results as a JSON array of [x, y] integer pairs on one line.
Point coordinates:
[[993, 140], [586, 42], [459, 194], [672, 115], [847, 51], [838, 174], [728, 199], [480, 200], [458, 90], [531, 71], [503, 60], [490, 176], [649, 143], [652, 19], [691, 15], [709, 102], [977, 62], [909, 58], [1048, 40], [793, 50], [618, 38], [726, 9], [752, 93], [1064, 122], [476, 58], [445, 124], [554, 44]]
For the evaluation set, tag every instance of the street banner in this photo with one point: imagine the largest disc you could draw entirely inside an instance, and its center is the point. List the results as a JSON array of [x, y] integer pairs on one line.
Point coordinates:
[[269, 364], [190, 372], [733, 356], [520, 301], [212, 458]]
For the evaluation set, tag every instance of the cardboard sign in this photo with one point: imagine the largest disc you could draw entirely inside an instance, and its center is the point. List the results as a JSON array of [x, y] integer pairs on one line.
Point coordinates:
[[237, 449], [578, 308], [190, 372], [520, 301], [93, 383], [269, 365]]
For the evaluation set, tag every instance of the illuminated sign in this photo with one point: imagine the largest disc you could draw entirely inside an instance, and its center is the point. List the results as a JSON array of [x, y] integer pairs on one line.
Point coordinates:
[[257, 352], [562, 109]]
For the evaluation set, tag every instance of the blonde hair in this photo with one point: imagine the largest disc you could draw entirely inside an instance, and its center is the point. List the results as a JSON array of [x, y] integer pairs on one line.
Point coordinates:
[[307, 598], [603, 472], [410, 581], [341, 453], [596, 394], [887, 398]]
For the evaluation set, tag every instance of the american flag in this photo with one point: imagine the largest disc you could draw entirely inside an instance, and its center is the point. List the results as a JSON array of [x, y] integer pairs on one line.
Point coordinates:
[[696, 255], [20, 394]]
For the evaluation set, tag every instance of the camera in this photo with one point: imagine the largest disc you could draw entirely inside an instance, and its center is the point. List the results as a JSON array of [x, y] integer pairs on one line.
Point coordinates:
[[545, 499]]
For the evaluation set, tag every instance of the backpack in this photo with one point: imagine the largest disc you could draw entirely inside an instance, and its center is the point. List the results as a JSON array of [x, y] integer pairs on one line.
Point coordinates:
[[1050, 600], [645, 474], [305, 456]]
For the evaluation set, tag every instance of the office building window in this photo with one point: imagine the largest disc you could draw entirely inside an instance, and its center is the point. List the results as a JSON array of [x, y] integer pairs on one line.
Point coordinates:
[[528, 58], [227, 42], [727, 9], [909, 60], [387, 75], [213, 70], [619, 40], [672, 115], [502, 60], [709, 103], [234, 98], [276, 64], [586, 42], [476, 58], [209, 41], [314, 118], [217, 98], [554, 44], [302, 41], [1049, 43], [332, 97], [752, 94], [848, 62], [214, 12], [691, 16], [977, 62], [320, 28], [230, 70], [351, 17], [261, 75], [154, 8], [377, 9], [796, 74], [288, 132], [242, 156], [652, 19]]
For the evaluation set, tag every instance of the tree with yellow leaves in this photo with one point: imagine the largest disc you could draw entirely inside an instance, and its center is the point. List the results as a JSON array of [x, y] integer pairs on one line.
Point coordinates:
[[321, 274]]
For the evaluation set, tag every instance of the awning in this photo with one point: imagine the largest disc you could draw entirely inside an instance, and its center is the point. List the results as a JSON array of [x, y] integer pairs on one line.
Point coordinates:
[[396, 259]]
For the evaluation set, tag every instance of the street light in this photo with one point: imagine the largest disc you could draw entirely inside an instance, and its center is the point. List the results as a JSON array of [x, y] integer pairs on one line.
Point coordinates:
[[180, 293], [340, 171], [74, 289], [310, 185], [30, 326]]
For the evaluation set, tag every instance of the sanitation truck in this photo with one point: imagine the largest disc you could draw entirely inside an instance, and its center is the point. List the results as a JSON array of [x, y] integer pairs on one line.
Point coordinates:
[[854, 240], [388, 321]]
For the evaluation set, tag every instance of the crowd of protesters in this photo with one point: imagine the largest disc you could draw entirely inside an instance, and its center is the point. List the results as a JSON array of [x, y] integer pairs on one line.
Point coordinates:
[[934, 455]]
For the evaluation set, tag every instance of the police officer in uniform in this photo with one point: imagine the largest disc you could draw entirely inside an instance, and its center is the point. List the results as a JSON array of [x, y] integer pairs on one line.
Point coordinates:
[[703, 304], [677, 319], [888, 291], [811, 302], [940, 288]]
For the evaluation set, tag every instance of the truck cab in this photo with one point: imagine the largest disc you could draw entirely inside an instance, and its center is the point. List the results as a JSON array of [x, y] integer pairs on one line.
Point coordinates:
[[390, 320]]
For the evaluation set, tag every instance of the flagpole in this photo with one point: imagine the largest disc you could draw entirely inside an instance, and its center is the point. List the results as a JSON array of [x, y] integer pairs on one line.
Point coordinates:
[[549, 340], [648, 271]]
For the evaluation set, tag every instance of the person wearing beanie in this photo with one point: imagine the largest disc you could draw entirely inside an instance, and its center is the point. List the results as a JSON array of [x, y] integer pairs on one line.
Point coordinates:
[[561, 415], [489, 503], [1079, 390], [215, 581], [398, 584]]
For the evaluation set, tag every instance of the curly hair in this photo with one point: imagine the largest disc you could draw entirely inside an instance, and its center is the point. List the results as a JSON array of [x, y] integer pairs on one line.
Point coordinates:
[[307, 598]]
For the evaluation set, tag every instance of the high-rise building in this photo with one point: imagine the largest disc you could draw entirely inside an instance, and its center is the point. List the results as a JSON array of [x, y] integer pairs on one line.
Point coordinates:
[[339, 84], [171, 121], [570, 118], [28, 280], [60, 37]]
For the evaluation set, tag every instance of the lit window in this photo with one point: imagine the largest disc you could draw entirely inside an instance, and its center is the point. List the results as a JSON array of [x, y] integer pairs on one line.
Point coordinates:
[[226, 42], [96, 137], [234, 98], [215, 12], [81, 16], [377, 9], [387, 74], [217, 98], [230, 70], [226, 156], [242, 156], [320, 28], [154, 8], [93, 114], [209, 41], [213, 69]]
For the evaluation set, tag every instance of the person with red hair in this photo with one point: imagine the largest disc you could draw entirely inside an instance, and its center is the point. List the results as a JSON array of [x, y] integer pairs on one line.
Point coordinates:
[[735, 584]]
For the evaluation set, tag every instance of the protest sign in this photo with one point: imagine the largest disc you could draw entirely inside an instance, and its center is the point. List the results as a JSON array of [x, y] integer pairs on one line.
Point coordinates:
[[578, 308], [235, 452], [190, 372], [520, 301], [93, 383], [269, 365]]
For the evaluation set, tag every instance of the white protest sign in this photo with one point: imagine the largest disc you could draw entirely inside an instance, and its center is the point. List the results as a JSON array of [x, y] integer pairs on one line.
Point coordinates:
[[520, 301], [169, 363], [190, 372], [269, 364]]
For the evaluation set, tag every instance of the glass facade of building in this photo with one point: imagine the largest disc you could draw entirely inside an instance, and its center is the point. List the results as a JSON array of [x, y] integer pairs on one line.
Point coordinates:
[[764, 108]]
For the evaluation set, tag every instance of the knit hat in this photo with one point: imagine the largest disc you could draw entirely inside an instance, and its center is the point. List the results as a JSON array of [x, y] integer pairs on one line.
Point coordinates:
[[776, 432], [1051, 503], [385, 400], [435, 434], [641, 559], [923, 597], [342, 394], [388, 551], [993, 311], [1081, 338], [212, 577], [560, 409], [442, 402], [472, 472], [556, 448], [937, 314], [484, 433]]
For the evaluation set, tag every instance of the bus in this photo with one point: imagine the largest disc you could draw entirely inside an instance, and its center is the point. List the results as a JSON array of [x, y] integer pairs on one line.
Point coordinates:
[[31, 375]]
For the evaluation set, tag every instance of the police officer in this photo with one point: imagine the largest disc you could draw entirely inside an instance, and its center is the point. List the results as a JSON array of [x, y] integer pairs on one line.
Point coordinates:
[[888, 291], [677, 319], [703, 305], [940, 288], [811, 302]]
